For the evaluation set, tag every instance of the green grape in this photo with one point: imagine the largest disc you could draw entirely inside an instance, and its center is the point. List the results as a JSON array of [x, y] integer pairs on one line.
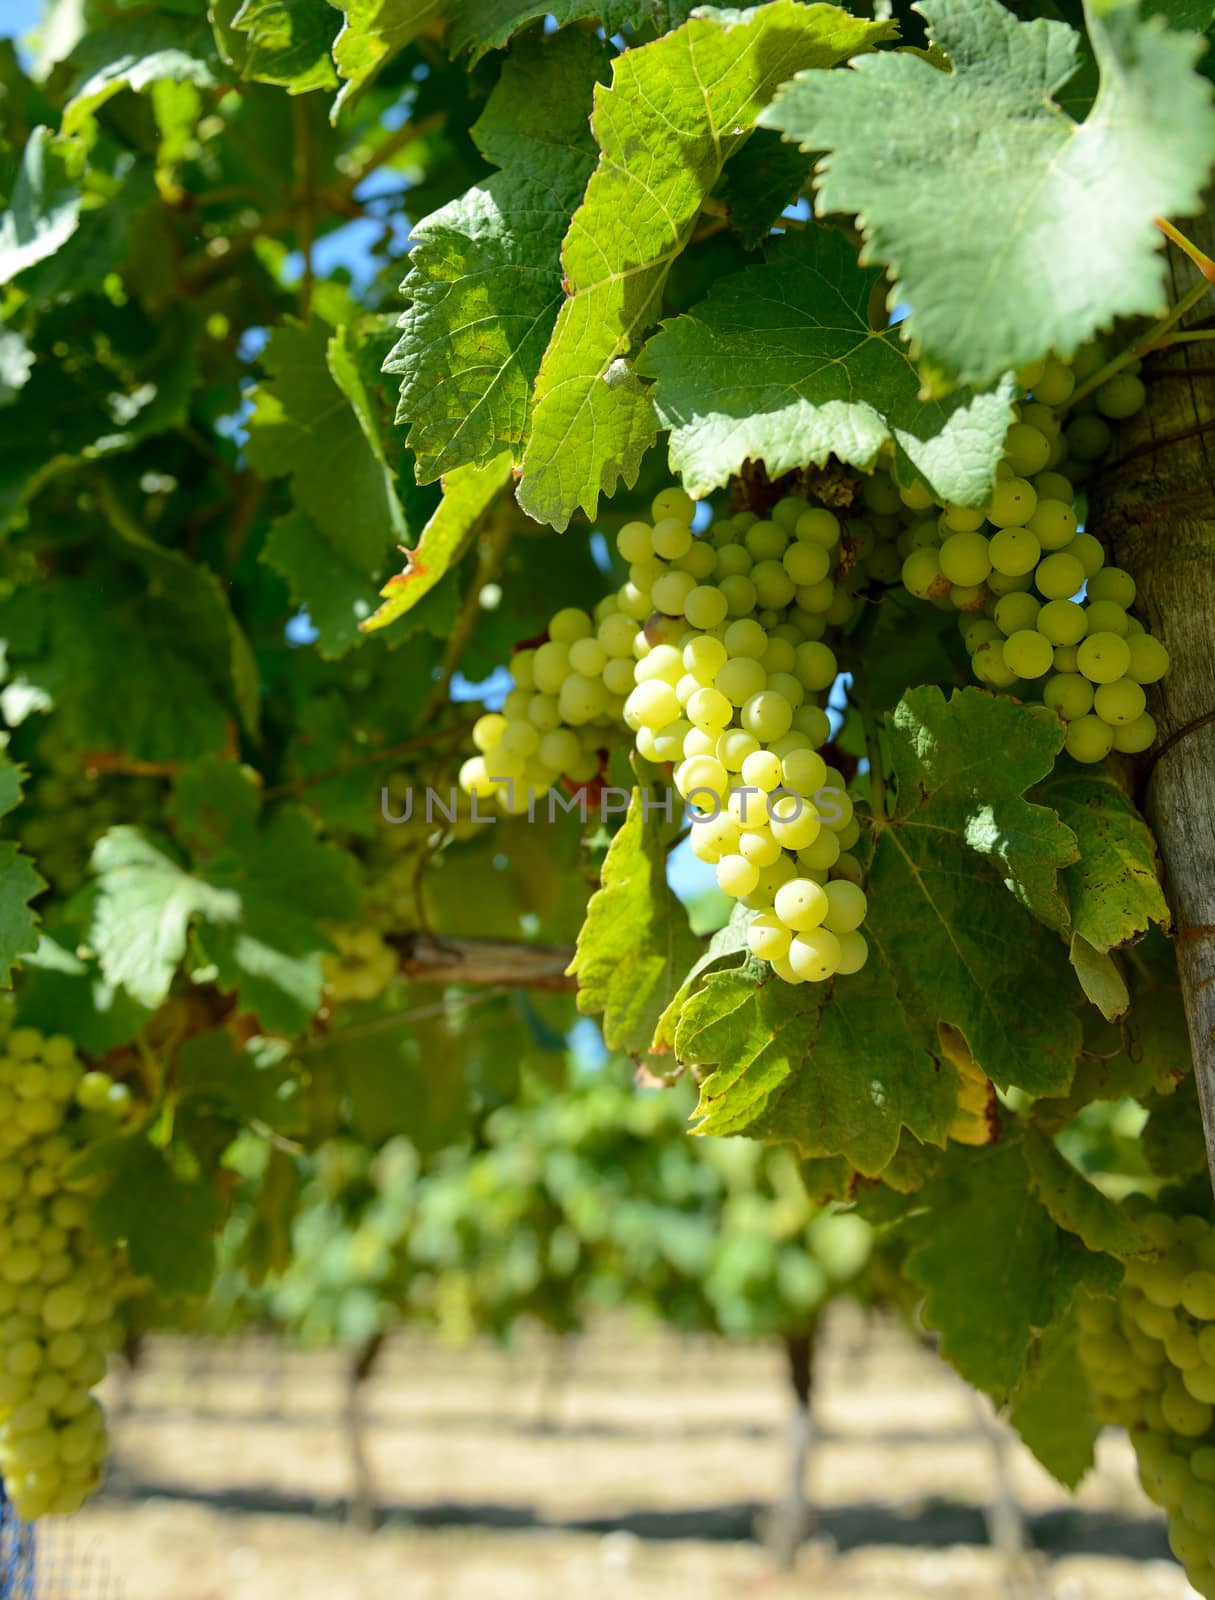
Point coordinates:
[[1062, 621], [978, 631], [801, 904], [1014, 551], [1054, 523], [746, 638], [766, 541], [705, 607], [1088, 437], [1028, 653], [1066, 657], [1119, 703], [1026, 449], [1103, 657], [670, 592], [768, 938], [1070, 694], [815, 954], [1112, 584], [965, 559], [854, 952], [767, 715], [1120, 396], [774, 587], [736, 876], [1059, 576], [990, 666], [846, 907], [1055, 385], [1135, 737], [1013, 502], [569, 624], [702, 774], [795, 823], [671, 538], [804, 771], [740, 679], [1089, 739], [762, 770], [806, 563], [673, 502], [1149, 660], [1053, 486], [1198, 1295], [818, 526], [1089, 552], [962, 519]]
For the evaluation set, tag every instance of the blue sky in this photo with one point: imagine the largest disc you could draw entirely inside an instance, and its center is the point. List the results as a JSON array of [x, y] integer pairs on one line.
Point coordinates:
[[16, 16]]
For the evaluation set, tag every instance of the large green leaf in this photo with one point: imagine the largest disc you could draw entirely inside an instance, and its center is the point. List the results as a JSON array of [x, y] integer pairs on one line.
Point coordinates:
[[1076, 1204], [256, 892], [995, 1268], [19, 884], [338, 594], [1052, 1407], [44, 205], [134, 53], [835, 1070], [780, 365], [1113, 887], [166, 1220], [635, 945], [962, 949], [306, 425], [372, 32], [1008, 228], [677, 109], [288, 43], [485, 271], [483, 25], [468, 494]]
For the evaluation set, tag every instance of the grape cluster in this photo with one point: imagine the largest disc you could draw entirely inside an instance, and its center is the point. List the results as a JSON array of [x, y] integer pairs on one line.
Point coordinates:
[[1039, 607], [67, 808], [362, 966], [57, 1284], [711, 654], [1150, 1355]]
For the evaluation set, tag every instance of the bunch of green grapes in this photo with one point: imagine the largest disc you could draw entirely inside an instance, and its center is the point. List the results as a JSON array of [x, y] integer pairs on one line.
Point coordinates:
[[711, 655], [1150, 1355], [1040, 608], [67, 808], [58, 1285], [362, 966]]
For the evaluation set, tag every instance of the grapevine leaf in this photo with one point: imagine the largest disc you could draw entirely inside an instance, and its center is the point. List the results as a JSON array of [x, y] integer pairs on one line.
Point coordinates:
[[211, 1070], [779, 364], [135, 53], [16, 364], [468, 493], [1008, 228], [635, 945], [760, 181], [44, 204], [834, 1071], [259, 891], [145, 903], [303, 425], [485, 271], [372, 32], [1076, 1204], [19, 884], [1052, 1406], [972, 757], [61, 993], [1099, 977], [995, 1268], [675, 112], [337, 594], [484, 25], [726, 949], [1113, 887], [961, 949], [167, 1222], [288, 43]]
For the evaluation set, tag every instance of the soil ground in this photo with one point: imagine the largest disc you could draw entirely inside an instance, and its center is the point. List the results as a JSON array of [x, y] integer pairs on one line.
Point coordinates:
[[626, 1466]]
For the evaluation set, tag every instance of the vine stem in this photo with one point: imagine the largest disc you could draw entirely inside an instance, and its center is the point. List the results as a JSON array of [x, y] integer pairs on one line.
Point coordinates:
[[1146, 341]]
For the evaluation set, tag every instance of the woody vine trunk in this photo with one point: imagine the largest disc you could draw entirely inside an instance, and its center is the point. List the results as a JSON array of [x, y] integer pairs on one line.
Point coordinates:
[[1154, 503]]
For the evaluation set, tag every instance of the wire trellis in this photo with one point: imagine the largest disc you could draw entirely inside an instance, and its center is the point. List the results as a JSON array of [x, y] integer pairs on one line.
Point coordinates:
[[50, 1562]]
